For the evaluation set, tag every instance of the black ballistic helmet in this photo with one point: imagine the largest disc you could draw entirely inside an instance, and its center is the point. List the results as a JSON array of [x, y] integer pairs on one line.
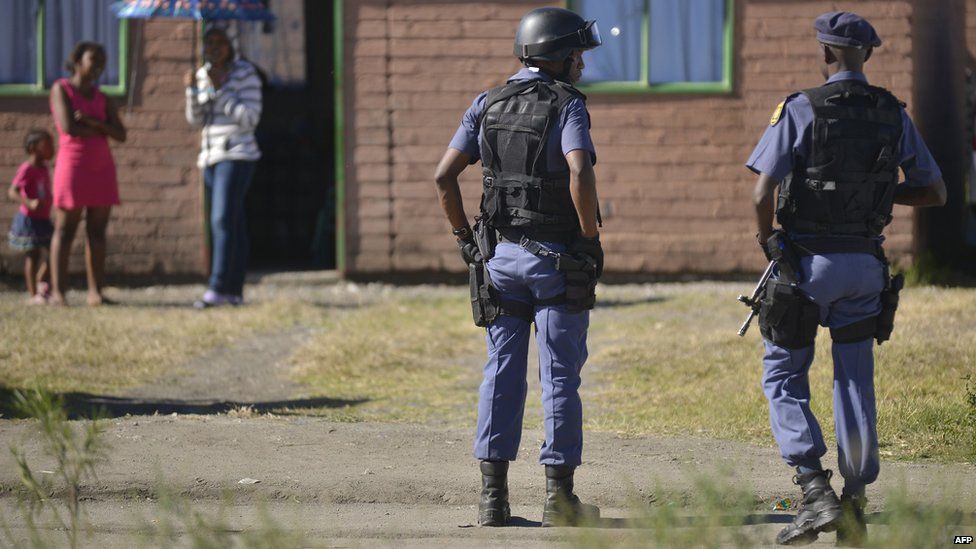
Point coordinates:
[[550, 34]]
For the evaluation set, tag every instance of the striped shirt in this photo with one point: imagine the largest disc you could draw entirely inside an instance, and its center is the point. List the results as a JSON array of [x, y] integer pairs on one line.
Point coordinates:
[[227, 115]]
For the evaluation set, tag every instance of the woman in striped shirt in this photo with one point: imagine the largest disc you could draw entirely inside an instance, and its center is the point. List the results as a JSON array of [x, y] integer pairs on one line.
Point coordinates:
[[224, 98]]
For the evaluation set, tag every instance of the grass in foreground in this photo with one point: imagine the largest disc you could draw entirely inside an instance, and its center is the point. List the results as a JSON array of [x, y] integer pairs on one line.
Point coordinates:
[[109, 348], [664, 360]]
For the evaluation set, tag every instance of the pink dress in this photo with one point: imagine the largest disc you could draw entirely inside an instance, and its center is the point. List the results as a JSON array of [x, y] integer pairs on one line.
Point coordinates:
[[84, 172]]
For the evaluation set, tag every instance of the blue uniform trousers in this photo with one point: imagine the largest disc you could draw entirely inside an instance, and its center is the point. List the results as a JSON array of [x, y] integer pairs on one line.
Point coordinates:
[[847, 288], [561, 339]]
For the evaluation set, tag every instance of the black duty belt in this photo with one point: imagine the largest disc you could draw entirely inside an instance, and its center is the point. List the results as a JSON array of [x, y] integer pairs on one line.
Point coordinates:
[[515, 236]]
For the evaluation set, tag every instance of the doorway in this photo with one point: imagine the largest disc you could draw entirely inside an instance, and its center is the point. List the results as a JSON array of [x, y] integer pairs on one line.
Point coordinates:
[[291, 204]]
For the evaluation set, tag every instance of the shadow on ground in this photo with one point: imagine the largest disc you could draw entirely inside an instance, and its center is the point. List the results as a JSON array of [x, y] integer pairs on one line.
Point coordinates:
[[87, 406], [612, 303]]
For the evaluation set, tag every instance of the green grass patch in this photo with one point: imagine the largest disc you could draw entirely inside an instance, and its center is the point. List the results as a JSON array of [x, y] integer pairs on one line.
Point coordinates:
[[104, 349]]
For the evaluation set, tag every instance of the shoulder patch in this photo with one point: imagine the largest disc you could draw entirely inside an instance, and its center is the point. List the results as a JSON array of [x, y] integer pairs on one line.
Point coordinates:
[[777, 113]]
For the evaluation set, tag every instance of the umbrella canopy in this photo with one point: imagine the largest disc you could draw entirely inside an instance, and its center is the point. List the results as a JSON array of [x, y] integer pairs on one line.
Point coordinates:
[[210, 10]]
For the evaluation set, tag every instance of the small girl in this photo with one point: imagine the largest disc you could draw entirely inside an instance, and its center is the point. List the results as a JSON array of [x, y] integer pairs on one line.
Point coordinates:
[[31, 230]]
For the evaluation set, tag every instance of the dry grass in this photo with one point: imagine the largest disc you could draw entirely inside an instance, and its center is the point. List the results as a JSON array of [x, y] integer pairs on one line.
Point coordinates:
[[677, 367], [109, 348], [412, 360], [664, 360]]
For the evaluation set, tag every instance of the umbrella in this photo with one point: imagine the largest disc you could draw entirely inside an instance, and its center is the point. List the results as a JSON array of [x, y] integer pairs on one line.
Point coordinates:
[[198, 10], [247, 10]]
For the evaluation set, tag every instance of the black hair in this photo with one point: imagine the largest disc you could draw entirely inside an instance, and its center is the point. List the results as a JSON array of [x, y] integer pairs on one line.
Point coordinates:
[[223, 32], [79, 51], [33, 137]]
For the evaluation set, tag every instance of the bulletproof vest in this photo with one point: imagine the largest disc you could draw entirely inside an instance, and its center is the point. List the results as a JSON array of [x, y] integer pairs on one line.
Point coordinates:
[[846, 186], [522, 192]]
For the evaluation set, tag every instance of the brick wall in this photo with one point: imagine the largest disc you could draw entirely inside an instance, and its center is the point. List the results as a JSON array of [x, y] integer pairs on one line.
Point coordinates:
[[674, 193], [158, 228]]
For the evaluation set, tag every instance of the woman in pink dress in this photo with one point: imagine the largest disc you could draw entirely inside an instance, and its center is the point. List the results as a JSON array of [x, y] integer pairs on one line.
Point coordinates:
[[85, 184]]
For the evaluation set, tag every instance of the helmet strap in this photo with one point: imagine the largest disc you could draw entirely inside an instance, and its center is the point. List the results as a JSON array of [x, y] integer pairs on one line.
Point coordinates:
[[563, 75]]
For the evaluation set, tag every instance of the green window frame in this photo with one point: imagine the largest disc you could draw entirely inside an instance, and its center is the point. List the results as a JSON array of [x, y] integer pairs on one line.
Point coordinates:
[[37, 88], [643, 86]]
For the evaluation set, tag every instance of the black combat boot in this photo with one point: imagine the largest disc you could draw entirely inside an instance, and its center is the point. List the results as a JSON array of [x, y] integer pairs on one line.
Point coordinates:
[[563, 507], [493, 509], [852, 530], [819, 511]]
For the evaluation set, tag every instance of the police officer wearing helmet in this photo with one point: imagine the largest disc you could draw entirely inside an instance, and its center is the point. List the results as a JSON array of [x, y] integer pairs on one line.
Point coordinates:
[[534, 254], [835, 153]]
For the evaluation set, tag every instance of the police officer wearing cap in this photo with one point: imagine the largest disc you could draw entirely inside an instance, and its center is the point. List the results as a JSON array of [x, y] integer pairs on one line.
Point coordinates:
[[537, 240], [835, 153]]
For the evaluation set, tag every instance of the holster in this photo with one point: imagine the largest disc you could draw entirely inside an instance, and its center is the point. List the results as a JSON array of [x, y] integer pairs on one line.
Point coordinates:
[[484, 302], [786, 317], [580, 273], [787, 260], [889, 305], [486, 238]]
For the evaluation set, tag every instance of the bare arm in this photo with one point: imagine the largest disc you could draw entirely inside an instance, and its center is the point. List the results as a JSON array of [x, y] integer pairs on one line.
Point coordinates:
[[113, 126], [582, 188], [450, 167], [64, 115], [762, 198], [920, 197], [13, 193]]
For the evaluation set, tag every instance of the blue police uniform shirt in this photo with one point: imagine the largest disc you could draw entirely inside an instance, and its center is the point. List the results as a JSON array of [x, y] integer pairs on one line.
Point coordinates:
[[572, 131], [790, 136]]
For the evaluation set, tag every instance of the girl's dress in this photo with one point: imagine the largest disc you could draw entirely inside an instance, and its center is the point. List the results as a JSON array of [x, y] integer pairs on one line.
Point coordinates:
[[84, 173]]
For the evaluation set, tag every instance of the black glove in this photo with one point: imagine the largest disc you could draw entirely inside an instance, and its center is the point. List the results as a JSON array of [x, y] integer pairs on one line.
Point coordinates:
[[591, 248], [469, 250], [773, 240]]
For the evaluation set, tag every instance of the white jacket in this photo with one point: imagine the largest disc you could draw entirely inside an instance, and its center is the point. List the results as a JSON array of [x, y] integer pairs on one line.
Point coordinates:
[[227, 115]]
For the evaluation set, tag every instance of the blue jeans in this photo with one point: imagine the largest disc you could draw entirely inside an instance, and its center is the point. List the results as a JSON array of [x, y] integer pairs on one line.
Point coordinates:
[[561, 339], [847, 289], [225, 185]]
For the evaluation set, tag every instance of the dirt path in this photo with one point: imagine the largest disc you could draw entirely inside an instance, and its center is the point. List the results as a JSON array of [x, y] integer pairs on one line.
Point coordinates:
[[253, 370], [380, 482]]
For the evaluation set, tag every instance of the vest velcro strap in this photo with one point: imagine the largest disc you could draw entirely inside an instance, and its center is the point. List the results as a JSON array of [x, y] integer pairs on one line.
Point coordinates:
[[821, 246], [538, 218], [878, 116], [515, 180], [816, 173], [851, 181]]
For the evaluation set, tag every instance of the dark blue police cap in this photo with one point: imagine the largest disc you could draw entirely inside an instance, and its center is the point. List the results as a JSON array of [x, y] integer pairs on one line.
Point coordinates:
[[846, 30]]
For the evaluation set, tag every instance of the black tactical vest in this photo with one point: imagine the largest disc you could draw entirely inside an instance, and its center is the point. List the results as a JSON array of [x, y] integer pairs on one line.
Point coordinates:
[[522, 192], [847, 185]]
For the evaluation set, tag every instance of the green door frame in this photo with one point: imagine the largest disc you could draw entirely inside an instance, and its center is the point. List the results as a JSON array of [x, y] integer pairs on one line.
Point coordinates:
[[339, 134]]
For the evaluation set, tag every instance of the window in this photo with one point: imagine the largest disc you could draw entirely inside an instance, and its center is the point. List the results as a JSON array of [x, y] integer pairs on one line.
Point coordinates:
[[672, 46], [37, 37]]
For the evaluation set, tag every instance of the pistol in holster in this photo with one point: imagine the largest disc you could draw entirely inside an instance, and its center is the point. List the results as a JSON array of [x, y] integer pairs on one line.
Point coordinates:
[[889, 306]]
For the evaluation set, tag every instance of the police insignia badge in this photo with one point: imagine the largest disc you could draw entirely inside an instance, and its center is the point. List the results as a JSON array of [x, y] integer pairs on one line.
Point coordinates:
[[777, 114]]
